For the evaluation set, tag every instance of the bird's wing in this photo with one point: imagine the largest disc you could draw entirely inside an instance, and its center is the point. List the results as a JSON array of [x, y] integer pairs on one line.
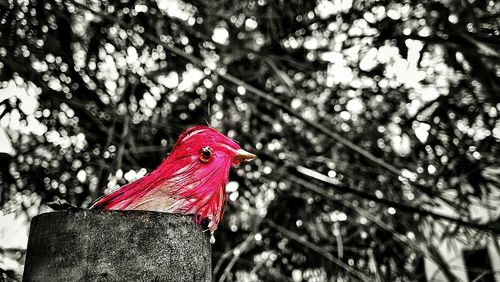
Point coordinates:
[[155, 200], [127, 195]]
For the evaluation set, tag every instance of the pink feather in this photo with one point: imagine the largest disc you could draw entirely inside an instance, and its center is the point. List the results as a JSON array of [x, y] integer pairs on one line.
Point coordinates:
[[184, 183]]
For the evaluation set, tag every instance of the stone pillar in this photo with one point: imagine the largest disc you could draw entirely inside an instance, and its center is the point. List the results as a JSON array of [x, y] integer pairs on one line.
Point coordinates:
[[96, 245]]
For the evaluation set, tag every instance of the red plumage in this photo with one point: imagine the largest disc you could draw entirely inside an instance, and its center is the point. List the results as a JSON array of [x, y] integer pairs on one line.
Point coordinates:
[[191, 180]]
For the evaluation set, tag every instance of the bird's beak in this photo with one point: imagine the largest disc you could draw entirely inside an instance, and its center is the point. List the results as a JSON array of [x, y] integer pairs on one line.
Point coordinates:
[[242, 156]]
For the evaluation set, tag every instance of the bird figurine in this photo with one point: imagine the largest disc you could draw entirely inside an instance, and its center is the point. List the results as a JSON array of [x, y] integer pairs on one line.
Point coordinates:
[[191, 179]]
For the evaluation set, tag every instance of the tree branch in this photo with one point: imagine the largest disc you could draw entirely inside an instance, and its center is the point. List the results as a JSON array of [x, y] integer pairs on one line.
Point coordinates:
[[294, 236], [398, 236], [397, 205]]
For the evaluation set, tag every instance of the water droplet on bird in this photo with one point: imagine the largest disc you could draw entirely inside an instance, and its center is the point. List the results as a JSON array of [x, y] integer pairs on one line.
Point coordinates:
[[212, 239]]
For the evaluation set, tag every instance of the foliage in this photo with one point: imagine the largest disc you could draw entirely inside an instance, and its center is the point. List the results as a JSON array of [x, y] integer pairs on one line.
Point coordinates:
[[367, 117]]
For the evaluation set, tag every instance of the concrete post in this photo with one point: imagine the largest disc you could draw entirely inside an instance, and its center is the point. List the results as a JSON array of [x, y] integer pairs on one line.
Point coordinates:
[[95, 245]]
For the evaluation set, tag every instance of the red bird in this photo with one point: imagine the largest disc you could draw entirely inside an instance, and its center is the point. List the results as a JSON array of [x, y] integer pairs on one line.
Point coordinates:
[[191, 180]]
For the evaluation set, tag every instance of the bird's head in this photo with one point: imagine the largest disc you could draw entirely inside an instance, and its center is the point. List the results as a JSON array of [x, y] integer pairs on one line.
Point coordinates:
[[207, 147]]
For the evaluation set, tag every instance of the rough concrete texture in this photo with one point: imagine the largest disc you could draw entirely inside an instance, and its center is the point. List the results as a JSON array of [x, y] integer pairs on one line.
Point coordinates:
[[95, 245]]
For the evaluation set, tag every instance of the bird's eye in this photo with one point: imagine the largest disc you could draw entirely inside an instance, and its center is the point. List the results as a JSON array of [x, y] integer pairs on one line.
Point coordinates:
[[205, 154]]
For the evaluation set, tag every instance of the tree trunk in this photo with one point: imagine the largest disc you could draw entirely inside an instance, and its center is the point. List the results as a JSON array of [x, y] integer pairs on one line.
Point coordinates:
[[96, 245]]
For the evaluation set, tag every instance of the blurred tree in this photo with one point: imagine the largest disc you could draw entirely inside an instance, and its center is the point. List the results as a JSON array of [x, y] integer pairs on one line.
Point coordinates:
[[370, 119]]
